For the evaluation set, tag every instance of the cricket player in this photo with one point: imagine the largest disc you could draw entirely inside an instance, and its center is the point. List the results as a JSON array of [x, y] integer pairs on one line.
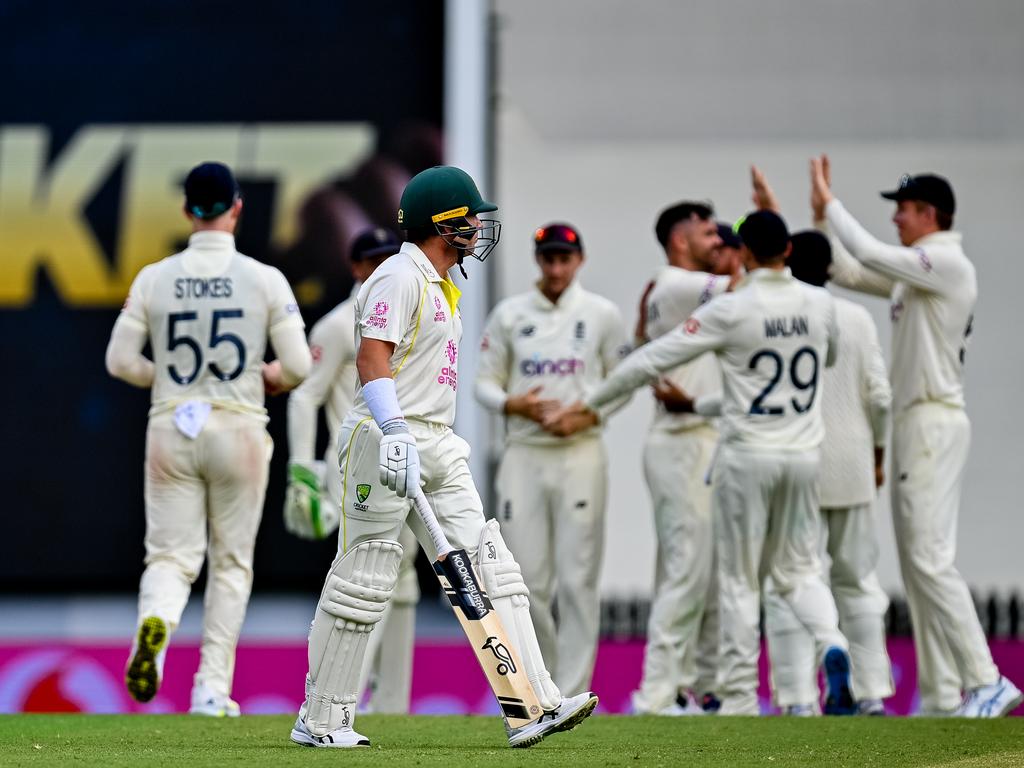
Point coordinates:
[[207, 313], [933, 288], [544, 349], [772, 337], [682, 633], [314, 487], [397, 438], [856, 401]]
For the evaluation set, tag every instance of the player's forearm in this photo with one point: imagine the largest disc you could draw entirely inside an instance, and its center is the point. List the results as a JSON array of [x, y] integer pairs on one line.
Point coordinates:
[[490, 394], [289, 343], [301, 426], [847, 272], [124, 358], [640, 367]]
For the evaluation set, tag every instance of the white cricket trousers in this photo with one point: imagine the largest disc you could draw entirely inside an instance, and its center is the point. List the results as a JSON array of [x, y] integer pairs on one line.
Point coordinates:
[[204, 497], [766, 508], [852, 546], [682, 632], [930, 446], [551, 507]]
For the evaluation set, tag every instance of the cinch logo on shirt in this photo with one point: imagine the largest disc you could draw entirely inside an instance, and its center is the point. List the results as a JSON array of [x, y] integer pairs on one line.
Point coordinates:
[[567, 366], [379, 318]]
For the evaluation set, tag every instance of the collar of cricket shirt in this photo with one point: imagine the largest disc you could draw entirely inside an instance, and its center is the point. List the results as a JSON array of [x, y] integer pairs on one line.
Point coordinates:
[[210, 239], [448, 288], [567, 300], [942, 237], [766, 274]]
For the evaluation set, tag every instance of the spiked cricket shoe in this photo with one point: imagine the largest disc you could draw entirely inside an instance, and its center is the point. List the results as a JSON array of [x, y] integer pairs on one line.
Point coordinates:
[[338, 738], [570, 713], [146, 663]]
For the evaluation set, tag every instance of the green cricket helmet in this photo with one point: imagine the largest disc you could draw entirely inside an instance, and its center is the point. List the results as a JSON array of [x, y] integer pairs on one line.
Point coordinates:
[[443, 197]]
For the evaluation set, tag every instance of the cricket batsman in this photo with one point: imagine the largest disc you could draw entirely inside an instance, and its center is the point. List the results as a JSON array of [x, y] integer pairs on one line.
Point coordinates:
[[314, 487], [207, 313], [396, 439], [541, 350], [772, 336], [933, 289]]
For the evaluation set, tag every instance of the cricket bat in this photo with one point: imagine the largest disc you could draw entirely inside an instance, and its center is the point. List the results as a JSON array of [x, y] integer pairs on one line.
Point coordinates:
[[482, 625]]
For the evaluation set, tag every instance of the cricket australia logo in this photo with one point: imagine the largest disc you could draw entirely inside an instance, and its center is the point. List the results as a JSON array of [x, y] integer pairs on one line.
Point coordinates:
[[501, 653], [362, 491]]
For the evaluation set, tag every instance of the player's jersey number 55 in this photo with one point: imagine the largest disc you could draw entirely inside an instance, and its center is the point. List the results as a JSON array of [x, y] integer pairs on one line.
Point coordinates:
[[177, 338]]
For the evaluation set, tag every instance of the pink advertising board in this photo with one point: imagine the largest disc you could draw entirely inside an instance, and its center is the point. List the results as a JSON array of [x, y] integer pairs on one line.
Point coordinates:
[[83, 677]]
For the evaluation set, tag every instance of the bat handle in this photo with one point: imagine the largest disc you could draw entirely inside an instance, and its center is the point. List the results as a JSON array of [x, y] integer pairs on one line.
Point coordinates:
[[429, 519]]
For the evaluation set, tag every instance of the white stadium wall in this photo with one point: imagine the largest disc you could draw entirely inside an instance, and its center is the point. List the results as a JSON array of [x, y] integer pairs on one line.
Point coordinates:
[[608, 111]]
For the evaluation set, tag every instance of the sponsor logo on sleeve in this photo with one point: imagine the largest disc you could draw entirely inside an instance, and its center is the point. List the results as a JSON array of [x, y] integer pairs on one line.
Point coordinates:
[[922, 257], [691, 326], [379, 318], [527, 330], [317, 352], [485, 342]]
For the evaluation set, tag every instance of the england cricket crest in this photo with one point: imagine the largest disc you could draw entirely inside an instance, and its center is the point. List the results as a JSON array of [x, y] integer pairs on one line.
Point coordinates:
[[506, 663], [362, 492]]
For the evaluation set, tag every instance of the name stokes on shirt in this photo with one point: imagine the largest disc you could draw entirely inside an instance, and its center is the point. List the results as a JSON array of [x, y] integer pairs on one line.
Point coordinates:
[[202, 288]]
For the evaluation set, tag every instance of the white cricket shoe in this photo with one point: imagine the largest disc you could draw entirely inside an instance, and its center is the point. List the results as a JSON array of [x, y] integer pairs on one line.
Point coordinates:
[[338, 738], [209, 704], [873, 707], [570, 713], [145, 667], [995, 700]]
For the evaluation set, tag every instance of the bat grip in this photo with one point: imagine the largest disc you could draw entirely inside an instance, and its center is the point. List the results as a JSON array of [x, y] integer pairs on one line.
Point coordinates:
[[433, 527]]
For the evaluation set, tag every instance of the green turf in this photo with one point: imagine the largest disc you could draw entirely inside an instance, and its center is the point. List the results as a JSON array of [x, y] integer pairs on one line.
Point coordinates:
[[163, 740]]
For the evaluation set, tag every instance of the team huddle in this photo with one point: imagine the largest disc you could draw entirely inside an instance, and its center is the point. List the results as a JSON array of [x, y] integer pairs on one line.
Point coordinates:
[[767, 448]]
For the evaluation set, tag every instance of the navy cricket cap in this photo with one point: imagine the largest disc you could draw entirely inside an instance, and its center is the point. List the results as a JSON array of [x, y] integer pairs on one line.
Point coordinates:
[[210, 190], [928, 188], [765, 234], [728, 236], [373, 243], [557, 237]]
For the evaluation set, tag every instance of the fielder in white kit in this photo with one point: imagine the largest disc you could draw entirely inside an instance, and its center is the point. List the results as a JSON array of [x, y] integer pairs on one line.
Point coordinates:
[[396, 438], [541, 350], [680, 658], [311, 509], [207, 313], [933, 288], [856, 401], [772, 336]]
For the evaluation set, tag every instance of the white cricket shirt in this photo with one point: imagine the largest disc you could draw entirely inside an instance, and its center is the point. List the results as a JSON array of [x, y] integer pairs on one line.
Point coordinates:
[[773, 336], [855, 404], [405, 301], [332, 380], [208, 311], [566, 348], [677, 293], [933, 291]]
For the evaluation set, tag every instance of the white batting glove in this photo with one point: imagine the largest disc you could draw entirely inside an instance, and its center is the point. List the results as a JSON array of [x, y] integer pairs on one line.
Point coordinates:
[[399, 459]]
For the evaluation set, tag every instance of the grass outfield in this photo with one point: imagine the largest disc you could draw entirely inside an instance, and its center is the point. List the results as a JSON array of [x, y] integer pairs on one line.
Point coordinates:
[[179, 740]]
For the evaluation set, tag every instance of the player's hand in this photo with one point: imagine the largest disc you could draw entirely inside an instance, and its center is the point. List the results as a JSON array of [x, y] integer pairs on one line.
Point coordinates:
[[764, 196], [569, 423], [308, 514], [821, 186], [562, 416], [879, 467], [399, 459], [273, 378], [672, 397], [531, 405]]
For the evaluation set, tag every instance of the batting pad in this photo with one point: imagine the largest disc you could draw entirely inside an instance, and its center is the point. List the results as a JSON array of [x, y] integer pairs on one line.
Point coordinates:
[[352, 602], [503, 582]]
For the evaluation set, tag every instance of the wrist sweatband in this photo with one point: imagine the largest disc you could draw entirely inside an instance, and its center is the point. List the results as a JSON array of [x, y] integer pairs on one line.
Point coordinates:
[[382, 399]]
